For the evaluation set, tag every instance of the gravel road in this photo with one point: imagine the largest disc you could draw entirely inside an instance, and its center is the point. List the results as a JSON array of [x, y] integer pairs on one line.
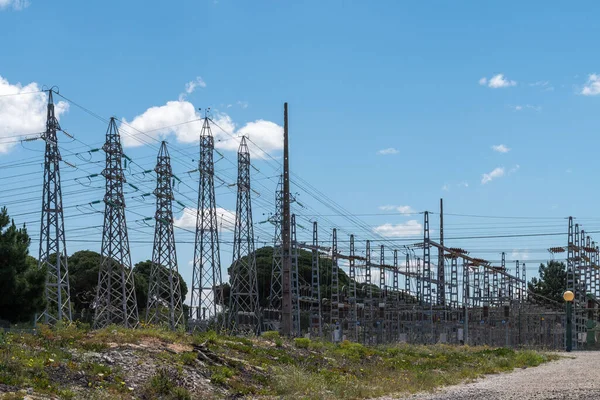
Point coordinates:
[[576, 377]]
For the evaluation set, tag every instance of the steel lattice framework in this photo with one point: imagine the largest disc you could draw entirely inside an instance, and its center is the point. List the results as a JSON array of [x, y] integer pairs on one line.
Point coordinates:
[[294, 281], [164, 292], [52, 231], [315, 308], [207, 295], [115, 299], [276, 291], [244, 313]]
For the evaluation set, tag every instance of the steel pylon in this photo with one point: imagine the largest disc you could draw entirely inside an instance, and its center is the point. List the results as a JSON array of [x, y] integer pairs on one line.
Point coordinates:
[[115, 301], [52, 231], [295, 285], [207, 293], [244, 312], [165, 306], [315, 306], [276, 292]]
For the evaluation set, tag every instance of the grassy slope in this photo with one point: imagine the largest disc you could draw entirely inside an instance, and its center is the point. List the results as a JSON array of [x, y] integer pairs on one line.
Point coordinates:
[[151, 363]]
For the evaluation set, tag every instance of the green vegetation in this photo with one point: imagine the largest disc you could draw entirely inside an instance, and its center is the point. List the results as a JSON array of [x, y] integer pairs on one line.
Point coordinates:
[[552, 281], [21, 281], [165, 384], [57, 361], [83, 279]]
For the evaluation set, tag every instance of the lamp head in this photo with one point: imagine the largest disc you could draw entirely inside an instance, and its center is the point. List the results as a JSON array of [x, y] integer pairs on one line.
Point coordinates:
[[568, 295]]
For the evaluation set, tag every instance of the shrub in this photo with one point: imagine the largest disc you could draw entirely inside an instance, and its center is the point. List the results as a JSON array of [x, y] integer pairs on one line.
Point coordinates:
[[220, 375], [189, 358], [302, 343], [271, 335]]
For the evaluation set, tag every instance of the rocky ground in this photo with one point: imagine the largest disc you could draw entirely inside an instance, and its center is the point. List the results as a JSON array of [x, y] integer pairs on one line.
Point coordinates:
[[151, 363]]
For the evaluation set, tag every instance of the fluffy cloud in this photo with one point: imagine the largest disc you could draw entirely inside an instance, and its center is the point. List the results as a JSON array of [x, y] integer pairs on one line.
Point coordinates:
[[400, 209], [500, 148], [187, 220], [192, 85], [409, 228], [496, 173], [592, 86], [23, 112], [389, 150], [521, 255], [497, 81], [16, 5], [174, 118]]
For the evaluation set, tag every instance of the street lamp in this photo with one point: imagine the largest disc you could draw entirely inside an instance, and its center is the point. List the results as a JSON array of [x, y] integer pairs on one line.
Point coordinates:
[[569, 296]]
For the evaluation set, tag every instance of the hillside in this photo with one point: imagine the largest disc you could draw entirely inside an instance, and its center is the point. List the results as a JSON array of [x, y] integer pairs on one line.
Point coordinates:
[[150, 363]]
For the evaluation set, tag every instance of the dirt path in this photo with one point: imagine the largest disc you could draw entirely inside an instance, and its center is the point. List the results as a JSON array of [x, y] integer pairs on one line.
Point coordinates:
[[567, 378]]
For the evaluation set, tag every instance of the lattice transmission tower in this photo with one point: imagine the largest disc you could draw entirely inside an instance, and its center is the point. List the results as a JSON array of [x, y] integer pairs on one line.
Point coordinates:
[[52, 231], [295, 284], [165, 304], [244, 312], [115, 297], [315, 307], [207, 293], [276, 291]]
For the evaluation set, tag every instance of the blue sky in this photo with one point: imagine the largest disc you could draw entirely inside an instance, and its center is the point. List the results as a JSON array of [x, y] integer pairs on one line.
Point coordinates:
[[360, 77]]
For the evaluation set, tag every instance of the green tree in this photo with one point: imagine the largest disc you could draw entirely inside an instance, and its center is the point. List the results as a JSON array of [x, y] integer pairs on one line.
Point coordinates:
[[83, 274], [83, 278], [21, 281], [552, 281], [141, 272], [264, 262]]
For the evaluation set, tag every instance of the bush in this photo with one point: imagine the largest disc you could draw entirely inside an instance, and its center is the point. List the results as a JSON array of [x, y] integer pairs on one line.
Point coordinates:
[[189, 358], [220, 375], [302, 343], [165, 384], [271, 335]]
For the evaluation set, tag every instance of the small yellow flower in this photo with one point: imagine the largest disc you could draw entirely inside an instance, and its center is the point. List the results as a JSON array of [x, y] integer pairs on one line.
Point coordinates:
[[51, 360], [100, 374], [130, 389]]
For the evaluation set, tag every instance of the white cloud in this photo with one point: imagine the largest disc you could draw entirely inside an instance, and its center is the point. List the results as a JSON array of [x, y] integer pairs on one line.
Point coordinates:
[[170, 119], [500, 148], [520, 255], [16, 5], [497, 81], [192, 85], [545, 85], [187, 220], [514, 169], [389, 150], [528, 106], [243, 104], [401, 209], [22, 112], [409, 228], [496, 173], [445, 188], [592, 86], [463, 184]]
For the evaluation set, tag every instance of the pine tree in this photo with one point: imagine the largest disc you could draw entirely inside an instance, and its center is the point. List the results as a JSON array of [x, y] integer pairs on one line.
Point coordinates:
[[21, 281]]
